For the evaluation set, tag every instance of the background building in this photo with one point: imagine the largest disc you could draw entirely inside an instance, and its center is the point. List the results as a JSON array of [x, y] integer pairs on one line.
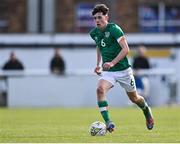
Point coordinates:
[[71, 16], [38, 106]]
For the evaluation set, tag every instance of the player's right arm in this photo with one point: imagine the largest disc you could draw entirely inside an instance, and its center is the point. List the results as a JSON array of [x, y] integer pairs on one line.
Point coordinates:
[[97, 69]]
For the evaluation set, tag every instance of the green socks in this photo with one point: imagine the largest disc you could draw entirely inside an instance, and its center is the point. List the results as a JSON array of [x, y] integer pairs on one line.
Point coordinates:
[[144, 106], [103, 106]]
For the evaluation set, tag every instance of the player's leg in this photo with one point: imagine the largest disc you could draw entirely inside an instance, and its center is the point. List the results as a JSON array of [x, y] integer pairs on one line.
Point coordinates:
[[140, 101], [102, 89], [126, 80]]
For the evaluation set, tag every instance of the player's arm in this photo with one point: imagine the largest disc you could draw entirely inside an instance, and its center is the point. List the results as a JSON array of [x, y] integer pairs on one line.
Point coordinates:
[[125, 50], [97, 70], [98, 56]]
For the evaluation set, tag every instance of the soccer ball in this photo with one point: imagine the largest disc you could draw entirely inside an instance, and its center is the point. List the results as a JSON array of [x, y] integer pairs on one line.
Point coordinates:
[[97, 128]]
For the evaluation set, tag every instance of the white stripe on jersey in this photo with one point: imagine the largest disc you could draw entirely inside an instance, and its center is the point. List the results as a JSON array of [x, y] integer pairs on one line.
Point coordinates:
[[118, 40]]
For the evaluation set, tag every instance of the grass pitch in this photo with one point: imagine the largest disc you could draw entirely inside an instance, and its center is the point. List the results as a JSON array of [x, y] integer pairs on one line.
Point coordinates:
[[71, 125]]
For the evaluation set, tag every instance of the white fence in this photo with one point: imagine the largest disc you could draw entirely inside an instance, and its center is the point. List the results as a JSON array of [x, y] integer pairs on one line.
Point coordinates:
[[76, 89]]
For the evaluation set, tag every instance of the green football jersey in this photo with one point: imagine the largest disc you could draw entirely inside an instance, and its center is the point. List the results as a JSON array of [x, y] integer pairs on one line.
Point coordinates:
[[108, 45]]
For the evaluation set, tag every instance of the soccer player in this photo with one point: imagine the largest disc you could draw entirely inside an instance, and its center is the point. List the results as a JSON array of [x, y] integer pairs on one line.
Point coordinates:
[[112, 50]]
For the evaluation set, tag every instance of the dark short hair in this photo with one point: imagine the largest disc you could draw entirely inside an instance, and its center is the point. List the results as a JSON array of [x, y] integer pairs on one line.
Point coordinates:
[[100, 8]]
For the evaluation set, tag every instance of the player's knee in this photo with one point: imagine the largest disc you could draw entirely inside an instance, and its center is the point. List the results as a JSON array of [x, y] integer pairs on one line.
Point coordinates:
[[100, 90], [134, 99]]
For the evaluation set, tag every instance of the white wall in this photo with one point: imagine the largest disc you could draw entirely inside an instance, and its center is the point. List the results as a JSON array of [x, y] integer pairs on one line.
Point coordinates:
[[83, 90], [71, 91], [39, 58]]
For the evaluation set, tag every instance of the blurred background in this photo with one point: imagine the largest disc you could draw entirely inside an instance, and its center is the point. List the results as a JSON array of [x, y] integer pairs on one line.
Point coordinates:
[[33, 31]]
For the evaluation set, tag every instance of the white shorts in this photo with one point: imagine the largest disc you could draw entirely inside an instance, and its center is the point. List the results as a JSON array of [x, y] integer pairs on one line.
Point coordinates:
[[125, 78]]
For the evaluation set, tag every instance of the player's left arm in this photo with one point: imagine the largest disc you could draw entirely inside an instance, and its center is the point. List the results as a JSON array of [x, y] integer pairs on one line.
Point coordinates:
[[125, 50], [97, 69]]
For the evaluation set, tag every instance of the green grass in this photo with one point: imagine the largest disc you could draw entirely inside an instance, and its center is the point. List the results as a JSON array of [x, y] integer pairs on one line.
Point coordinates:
[[71, 125]]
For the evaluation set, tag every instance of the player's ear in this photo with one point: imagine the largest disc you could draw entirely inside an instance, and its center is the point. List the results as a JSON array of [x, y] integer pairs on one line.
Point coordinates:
[[107, 17]]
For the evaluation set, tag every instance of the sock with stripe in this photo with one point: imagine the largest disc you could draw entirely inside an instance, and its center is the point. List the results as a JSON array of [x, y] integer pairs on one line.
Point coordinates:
[[144, 106], [103, 107]]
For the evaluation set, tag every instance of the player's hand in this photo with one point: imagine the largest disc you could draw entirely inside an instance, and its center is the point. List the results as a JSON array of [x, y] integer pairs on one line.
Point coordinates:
[[108, 65], [97, 70]]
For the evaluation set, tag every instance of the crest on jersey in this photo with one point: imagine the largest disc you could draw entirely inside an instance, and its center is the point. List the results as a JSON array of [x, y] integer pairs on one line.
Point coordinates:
[[107, 34], [96, 38]]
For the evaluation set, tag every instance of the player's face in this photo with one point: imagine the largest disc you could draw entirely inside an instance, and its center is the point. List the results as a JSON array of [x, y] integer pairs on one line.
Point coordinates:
[[100, 20]]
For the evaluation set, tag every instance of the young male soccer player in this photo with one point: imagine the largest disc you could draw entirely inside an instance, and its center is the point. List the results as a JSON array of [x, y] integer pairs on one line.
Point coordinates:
[[112, 49]]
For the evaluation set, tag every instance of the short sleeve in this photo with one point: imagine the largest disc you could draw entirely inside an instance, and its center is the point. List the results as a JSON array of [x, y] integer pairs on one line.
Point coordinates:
[[92, 34], [116, 32]]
